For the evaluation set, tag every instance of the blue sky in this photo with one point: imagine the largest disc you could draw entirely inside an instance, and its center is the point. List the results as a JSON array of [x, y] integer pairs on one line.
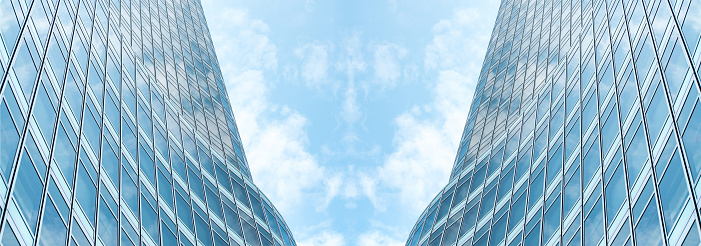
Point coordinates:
[[350, 111]]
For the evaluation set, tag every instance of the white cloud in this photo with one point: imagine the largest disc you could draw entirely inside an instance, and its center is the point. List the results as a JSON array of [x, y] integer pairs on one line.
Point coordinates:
[[350, 112], [377, 238], [422, 159], [333, 186], [324, 238], [427, 136], [242, 41], [274, 136], [315, 62], [386, 63], [458, 41], [276, 139], [351, 63]]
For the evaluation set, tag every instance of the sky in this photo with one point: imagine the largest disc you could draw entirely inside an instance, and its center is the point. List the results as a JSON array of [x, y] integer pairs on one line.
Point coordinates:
[[350, 111]]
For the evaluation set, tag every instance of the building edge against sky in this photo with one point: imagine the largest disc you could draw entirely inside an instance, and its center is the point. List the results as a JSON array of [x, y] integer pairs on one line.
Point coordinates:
[[585, 128], [116, 129]]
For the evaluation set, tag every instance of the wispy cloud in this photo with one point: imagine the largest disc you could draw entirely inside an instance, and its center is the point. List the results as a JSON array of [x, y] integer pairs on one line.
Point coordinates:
[[310, 180], [275, 136], [246, 43], [458, 42], [351, 64], [378, 238], [324, 238], [315, 62], [427, 136], [387, 66]]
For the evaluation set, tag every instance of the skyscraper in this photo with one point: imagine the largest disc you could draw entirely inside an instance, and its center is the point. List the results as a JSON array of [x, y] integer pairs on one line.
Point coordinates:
[[585, 128], [116, 128]]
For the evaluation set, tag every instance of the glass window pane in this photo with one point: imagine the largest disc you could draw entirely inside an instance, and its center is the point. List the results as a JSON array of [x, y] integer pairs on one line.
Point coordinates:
[[8, 237], [25, 70], [594, 225], [203, 232], [149, 220], [27, 191], [64, 154], [692, 238], [673, 190], [656, 114], [615, 193], [648, 230], [53, 230], [78, 235], [9, 139], [107, 228], [692, 141], [45, 114], [86, 193], [636, 154]]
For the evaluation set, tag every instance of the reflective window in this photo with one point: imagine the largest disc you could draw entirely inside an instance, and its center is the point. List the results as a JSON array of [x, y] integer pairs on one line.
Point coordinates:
[[613, 87], [27, 191]]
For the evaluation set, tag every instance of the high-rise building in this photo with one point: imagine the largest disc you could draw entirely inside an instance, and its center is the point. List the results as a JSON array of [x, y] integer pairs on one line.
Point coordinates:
[[585, 128], [116, 128]]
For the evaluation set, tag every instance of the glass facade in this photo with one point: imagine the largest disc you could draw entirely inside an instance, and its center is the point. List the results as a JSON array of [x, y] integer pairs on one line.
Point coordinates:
[[116, 129], [585, 128]]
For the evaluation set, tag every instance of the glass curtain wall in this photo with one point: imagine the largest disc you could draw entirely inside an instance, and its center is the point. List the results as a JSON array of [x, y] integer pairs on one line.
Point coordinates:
[[585, 129], [116, 129]]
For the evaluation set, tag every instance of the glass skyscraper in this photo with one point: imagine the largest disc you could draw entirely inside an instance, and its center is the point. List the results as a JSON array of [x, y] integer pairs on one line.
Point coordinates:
[[585, 128], [116, 129]]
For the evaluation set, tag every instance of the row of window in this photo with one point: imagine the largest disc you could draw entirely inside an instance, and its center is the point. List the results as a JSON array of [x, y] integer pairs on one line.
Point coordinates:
[[107, 136], [584, 128]]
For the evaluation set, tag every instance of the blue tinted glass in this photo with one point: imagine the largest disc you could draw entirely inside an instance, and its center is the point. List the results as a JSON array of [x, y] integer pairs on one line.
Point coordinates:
[[79, 237], [167, 236], [203, 232], [536, 190], [542, 45], [648, 230], [110, 162], [25, 69], [615, 193], [517, 211], [673, 190], [572, 191], [146, 164], [27, 191], [551, 220], [86, 193], [692, 141], [149, 220], [594, 225], [636, 154], [623, 234], [35, 155], [8, 237], [498, 230], [64, 154], [107, 225], [130, 193], [591, 161], [693, 237], [10, 140], [165, 189], [184, 212], [657, 113], [53, 230], [44, 113]]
